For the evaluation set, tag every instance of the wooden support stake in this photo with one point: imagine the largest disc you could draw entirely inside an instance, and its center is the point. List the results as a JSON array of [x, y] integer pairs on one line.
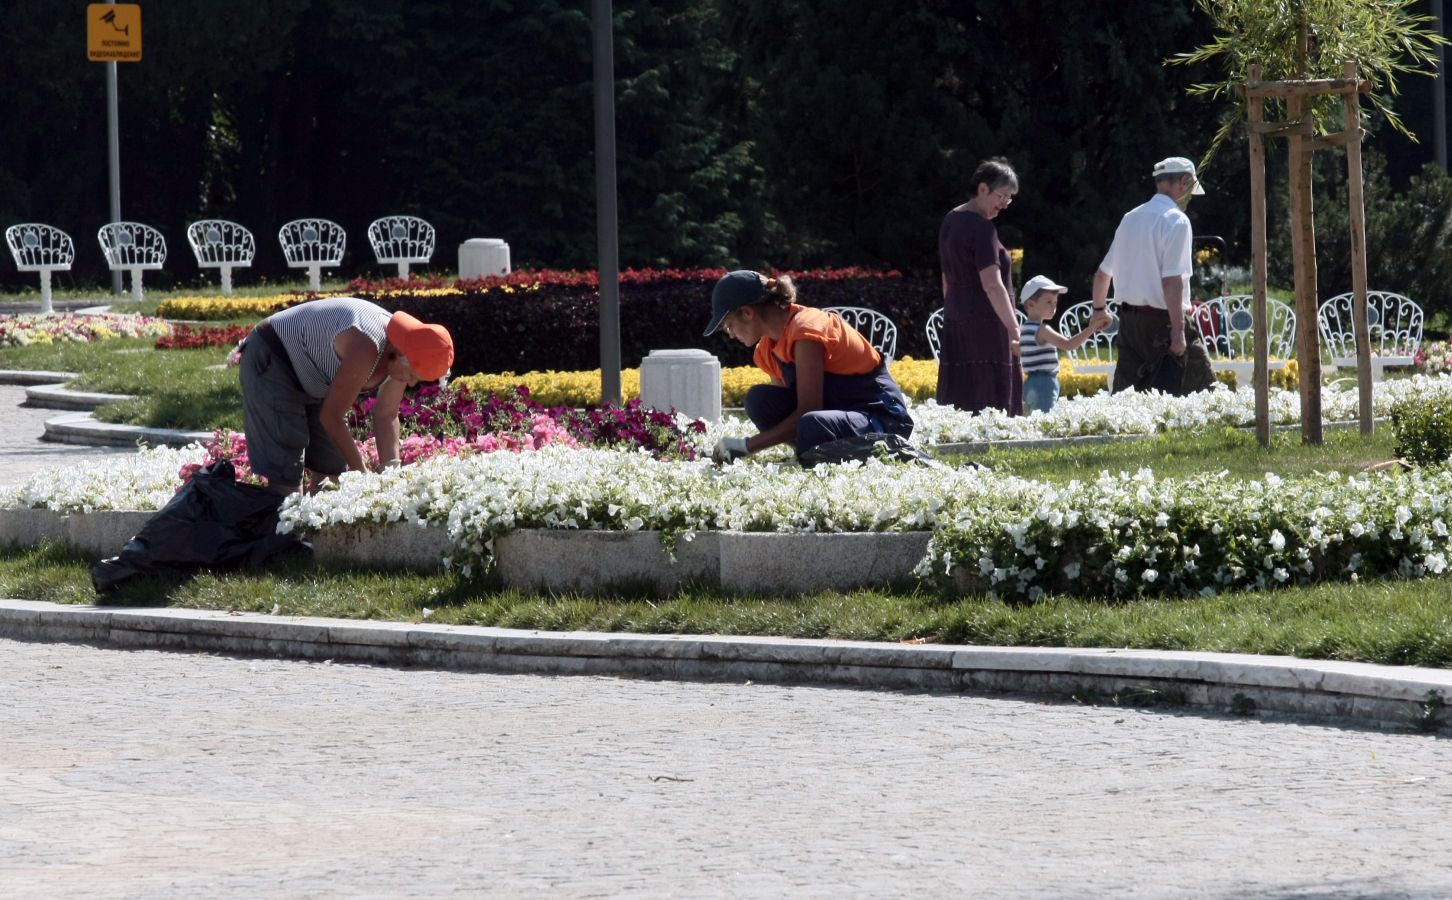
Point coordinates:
[[1310, 87], [1339, 139], [1303, 245], [1357, 204], [1261, 376], [1280, 129]]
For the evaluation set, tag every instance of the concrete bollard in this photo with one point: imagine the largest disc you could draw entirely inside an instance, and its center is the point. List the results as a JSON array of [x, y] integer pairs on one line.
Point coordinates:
[[482, 257], [689, 380]]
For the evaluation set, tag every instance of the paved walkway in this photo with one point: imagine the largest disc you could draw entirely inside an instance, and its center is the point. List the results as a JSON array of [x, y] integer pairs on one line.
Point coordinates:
[[165, 775], [23, 453]]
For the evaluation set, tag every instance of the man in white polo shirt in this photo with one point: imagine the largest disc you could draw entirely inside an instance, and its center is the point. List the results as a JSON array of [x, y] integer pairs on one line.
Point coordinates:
[[1149, 264]]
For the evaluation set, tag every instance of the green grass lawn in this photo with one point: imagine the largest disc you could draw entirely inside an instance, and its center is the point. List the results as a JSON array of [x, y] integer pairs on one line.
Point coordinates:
[[1400, 623]]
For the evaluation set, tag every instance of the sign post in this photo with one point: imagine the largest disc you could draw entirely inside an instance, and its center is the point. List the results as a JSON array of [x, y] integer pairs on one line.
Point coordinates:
[[113, 34]]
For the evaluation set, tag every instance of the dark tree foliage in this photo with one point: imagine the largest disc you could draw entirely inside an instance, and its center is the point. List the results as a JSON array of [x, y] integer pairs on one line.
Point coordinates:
[[1408, 233], [787, 133]]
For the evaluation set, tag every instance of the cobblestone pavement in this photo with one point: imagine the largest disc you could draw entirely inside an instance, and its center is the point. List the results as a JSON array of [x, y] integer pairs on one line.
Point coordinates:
[[146, 774], [22, 452]]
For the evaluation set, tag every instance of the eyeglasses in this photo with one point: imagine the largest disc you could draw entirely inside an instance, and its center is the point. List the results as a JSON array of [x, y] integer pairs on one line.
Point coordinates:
[[1006, 198]]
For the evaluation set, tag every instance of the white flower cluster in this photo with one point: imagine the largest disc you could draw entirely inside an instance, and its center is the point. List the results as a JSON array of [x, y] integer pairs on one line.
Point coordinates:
[[145, 480], [477, 497], [1151, 413], [1134, 535]]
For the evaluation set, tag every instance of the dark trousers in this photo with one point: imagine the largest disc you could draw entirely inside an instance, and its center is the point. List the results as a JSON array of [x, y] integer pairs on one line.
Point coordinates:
[[768, 405], [1143, 339]]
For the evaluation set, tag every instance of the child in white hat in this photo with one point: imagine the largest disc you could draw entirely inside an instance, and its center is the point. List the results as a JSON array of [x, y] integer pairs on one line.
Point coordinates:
[[1039, 344]]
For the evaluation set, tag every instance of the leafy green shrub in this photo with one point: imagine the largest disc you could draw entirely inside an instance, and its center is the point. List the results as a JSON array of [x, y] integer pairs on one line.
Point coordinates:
[[1423, 429]]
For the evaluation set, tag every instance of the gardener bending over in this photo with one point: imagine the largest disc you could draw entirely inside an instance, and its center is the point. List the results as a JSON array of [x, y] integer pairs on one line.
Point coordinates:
[[304, 368], [827, 381]]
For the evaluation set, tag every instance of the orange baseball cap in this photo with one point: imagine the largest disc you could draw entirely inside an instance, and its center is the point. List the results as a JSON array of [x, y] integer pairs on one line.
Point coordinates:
[[428, 348]]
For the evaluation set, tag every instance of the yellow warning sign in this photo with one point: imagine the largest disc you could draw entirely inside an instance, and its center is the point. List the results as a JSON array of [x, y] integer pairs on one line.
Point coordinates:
[[113, 32]]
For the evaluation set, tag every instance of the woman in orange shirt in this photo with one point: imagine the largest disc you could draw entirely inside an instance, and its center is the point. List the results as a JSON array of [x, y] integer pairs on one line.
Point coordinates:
[[827, 381]]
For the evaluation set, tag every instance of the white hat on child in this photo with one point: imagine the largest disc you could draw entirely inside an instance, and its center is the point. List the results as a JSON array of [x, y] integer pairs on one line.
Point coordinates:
[[1039, 283]]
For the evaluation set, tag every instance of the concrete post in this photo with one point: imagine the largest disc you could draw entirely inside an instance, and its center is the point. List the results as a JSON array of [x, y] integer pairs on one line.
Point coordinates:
[[688, 380], [482, 257]]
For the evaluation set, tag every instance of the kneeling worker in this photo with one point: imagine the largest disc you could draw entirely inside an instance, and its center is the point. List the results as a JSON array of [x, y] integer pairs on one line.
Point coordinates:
[[827, 381]]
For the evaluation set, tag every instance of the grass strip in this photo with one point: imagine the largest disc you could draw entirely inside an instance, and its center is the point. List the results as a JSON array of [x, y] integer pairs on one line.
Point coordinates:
[[1387, 622]]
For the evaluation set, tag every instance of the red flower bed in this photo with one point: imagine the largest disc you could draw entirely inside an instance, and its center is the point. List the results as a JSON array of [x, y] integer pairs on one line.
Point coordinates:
[[199, 337]]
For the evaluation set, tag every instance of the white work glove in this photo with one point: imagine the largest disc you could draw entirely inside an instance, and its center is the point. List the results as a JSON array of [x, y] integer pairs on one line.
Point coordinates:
[[728, 449]]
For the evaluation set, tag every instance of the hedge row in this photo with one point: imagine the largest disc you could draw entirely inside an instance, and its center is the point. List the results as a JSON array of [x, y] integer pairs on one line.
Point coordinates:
[[528, 322]]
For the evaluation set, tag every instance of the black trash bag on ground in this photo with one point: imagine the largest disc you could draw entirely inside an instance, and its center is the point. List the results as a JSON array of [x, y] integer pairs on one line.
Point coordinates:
[[873, 445], [213, 522]]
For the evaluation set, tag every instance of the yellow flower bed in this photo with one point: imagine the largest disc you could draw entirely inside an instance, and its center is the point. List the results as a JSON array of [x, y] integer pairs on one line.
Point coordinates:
[[209, 309], [551, 388], [415, 291], [918, 379]]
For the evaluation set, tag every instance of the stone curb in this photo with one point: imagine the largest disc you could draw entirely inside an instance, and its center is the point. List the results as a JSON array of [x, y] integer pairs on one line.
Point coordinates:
[[54, 396], [82, 428], [35, 376], [45, 390], [1382, 696]]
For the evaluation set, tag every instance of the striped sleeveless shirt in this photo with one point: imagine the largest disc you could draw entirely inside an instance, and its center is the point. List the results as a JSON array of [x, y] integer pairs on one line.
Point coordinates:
[[308, 329], [1036, 357]]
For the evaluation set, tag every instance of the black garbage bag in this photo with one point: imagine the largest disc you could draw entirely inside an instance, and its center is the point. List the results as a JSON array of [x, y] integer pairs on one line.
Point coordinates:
[[214, 522], [873, 445]]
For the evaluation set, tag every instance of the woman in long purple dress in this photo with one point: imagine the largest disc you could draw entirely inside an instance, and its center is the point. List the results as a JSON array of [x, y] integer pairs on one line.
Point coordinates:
[[978, 365]]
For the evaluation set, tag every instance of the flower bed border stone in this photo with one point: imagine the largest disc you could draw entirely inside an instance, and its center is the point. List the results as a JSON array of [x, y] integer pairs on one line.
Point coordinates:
[[594, 562], [402, 545]]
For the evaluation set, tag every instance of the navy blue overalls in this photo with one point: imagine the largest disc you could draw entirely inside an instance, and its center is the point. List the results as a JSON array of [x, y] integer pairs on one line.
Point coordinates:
[[870, 403]]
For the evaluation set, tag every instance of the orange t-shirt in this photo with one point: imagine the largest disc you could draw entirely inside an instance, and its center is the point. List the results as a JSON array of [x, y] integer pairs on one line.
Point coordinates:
[[845, 350]]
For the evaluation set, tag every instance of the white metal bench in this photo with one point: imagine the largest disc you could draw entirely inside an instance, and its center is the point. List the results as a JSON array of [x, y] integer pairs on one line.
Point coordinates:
[[1096, 355], [1226, 326], [313, 244], [935, 324], [132, 247], [220, 244], [1393, 321], [401, 240], [871, 324], [41, 248]]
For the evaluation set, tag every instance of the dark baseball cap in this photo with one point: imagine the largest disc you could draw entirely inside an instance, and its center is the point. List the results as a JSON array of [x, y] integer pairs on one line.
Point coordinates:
[[735, 290]]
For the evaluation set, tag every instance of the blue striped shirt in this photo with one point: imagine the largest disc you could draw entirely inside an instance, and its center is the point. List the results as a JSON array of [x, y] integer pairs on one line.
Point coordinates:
[[309, 329], [1034, 356]]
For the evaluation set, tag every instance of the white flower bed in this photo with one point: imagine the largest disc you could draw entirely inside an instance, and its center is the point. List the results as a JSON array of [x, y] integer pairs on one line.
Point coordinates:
[[145, 480], [480, 496], [1127, 536], [1152, 413], [1117, 535]]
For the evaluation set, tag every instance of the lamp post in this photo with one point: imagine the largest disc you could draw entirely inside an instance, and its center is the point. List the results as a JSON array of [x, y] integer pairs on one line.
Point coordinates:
[[1439, 95], [606, 221]]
